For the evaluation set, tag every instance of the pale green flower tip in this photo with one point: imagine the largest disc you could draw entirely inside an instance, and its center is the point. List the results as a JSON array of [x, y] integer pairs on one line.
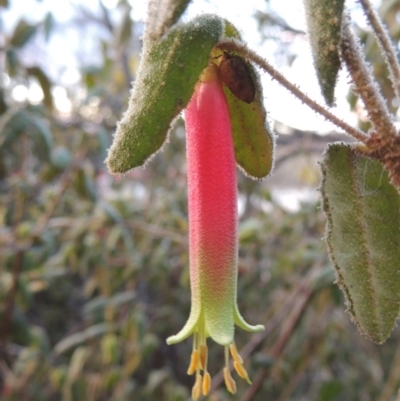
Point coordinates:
[[182, 335], [239, 321], [248, 327], [257, 328], [189, 327], [174, 339]]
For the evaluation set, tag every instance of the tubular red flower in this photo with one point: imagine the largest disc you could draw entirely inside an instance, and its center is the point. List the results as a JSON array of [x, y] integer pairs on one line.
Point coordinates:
[[213, 237]]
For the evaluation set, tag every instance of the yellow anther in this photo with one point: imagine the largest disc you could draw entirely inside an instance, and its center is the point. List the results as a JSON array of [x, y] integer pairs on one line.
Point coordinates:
[[203, 351], [196, 390], [235, 354], [195, 362], [241, 371], [206, 383], [229, 382]]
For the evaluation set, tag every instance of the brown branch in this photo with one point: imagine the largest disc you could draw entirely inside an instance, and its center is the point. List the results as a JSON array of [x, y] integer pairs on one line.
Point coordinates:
[[231, 45]]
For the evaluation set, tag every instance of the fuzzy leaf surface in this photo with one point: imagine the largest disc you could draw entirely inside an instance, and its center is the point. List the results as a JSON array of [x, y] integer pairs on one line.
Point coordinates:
[[253, 139], [324, 19], [168, 73], [363, 237]]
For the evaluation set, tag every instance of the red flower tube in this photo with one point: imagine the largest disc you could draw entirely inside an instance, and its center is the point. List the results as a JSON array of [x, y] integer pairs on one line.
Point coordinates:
[[213, 238]]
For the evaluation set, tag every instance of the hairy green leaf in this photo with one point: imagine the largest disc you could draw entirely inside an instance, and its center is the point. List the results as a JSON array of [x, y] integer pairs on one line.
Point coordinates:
[[363, 237], [324, 20], [253, 138], [168, 73]]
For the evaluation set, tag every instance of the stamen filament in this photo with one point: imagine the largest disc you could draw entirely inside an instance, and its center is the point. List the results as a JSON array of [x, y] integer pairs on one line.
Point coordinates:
[[203, 352], [235, 354], [227, 357]]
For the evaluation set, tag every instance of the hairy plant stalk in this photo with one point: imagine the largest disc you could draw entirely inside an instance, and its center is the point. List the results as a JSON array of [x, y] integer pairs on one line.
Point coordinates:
[[388, 50], [230, 45], [155, 26], [161, 15], [365, 85]]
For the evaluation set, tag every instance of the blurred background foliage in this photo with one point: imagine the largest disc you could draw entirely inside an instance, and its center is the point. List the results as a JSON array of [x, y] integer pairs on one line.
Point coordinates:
[[94, 268]]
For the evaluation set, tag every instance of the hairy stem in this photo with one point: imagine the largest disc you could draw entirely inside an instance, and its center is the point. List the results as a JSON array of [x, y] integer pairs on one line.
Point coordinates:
[[161, 15], [262, 63], [385, 43], [366, 87]]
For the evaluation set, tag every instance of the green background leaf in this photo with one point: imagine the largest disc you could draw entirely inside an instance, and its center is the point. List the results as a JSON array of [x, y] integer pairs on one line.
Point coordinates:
[[44, 83], [23, 32]]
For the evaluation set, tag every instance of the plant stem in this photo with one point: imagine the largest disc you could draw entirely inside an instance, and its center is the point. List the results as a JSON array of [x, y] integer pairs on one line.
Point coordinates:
[[231, 45], [385, 43], [366, 87], [162, 15]]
